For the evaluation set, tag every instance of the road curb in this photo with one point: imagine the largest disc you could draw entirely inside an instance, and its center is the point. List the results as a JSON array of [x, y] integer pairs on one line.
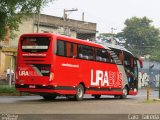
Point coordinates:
[[156, 99]]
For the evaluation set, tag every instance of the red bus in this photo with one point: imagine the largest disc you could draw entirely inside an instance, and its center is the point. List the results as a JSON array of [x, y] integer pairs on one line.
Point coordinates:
[[51, 65]]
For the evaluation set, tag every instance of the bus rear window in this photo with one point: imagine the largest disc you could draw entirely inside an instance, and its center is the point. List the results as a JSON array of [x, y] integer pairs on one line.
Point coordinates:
[[35, 44]]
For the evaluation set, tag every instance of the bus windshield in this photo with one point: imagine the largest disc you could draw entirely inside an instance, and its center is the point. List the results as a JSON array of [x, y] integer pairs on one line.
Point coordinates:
[[35, 44]]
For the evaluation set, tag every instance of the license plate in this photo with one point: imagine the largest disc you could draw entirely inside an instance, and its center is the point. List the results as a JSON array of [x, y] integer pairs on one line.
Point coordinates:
[[32, 86]]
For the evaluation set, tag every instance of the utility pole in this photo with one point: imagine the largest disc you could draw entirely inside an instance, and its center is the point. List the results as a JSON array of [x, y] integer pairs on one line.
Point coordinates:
[[148, 86], [83, 16], [159, 86], [112, 40], [10, 74], [38, 16], [66, 13]]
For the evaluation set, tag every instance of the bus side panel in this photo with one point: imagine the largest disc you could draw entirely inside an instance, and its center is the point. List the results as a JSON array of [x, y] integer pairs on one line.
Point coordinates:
[[98, 77], [124, 77], [67, 71], [104, 79]]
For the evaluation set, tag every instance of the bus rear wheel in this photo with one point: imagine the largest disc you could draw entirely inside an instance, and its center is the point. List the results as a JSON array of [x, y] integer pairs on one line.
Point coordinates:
[[79, 92], [125, 93]]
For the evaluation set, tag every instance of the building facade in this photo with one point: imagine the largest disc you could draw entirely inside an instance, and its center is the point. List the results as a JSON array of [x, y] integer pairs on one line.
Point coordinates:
[[59, 25], [7, 60]]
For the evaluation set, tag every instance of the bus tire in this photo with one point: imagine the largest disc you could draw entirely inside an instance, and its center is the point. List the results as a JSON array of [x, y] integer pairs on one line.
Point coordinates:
[[125, 93], [79, 92], [49, 97], [96, 96]]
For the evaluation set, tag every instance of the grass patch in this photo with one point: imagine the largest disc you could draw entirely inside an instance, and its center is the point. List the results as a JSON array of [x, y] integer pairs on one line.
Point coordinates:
[[6, 90]]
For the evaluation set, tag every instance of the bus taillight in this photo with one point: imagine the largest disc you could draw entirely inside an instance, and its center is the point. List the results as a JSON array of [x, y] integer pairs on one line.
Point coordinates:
[[51, 76], [16, 76]]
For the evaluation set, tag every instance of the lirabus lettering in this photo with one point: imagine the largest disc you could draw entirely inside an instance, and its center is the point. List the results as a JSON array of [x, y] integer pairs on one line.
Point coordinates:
[[106, 78], [23, 73]]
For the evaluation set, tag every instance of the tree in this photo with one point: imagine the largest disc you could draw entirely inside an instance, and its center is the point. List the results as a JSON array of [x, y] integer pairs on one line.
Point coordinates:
[[3, 17], [106, 37], [140, 35], [155, 54], [12, 12]]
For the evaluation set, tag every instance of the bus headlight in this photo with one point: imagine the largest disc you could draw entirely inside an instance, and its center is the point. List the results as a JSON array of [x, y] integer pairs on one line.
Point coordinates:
[[135, 90]]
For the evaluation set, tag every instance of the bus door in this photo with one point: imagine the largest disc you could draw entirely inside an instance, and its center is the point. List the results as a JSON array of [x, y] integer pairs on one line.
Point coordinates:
[[134, 65], [131, 69]]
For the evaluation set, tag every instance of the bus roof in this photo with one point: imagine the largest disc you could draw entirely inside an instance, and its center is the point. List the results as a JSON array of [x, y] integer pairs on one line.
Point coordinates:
[[118, 47], [66, 38], [80, 41]]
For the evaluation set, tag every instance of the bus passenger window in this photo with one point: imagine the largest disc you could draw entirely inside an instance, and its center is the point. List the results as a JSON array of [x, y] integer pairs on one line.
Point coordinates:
[[85, 52], [117, 56], [74, 46], [69, 49], [112, 60], [121, 57], [102, 55], [61, 48]]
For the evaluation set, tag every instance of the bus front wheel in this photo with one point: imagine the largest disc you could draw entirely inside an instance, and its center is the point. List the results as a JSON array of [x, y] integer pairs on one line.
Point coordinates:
[[79, 92], [124, 93]]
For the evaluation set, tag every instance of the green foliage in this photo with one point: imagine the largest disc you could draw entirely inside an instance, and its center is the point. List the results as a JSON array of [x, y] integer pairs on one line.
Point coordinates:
[[2, 24], [140, 35], [105, 36], [155, 54], [7, 89], [13, 11]]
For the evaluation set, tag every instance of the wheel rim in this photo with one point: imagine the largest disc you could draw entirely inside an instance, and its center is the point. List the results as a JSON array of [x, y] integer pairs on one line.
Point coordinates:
[[80, 92], [125, 92]]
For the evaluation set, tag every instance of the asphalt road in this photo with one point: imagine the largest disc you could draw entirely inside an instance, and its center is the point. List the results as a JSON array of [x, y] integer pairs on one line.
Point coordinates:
[[105, 105]]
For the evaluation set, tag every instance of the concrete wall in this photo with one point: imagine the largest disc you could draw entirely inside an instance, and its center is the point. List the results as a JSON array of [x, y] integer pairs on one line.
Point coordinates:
[[149, 74], [25, 27], [6, 56], [52, 24], [2, 62], [78, 26]]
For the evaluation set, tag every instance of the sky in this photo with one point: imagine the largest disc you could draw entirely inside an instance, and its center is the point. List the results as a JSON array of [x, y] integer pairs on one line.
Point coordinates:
[[107, 13]]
